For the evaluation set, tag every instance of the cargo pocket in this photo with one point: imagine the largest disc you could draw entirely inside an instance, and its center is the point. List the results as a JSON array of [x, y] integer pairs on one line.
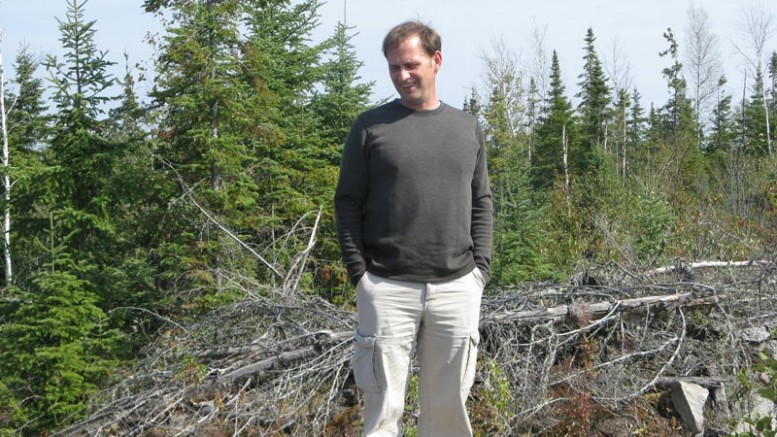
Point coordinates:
[[471, 362], [363, 362]]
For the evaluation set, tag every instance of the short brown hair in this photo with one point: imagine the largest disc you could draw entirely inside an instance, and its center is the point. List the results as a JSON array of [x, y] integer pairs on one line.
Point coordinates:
[[430, 39]]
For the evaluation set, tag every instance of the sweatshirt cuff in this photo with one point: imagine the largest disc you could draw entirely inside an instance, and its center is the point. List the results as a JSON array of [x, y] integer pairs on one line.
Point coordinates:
[[486, 273], [355, 278]]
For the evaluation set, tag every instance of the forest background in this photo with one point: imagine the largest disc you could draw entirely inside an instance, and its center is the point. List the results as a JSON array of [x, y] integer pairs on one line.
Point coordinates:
[[123, 212]]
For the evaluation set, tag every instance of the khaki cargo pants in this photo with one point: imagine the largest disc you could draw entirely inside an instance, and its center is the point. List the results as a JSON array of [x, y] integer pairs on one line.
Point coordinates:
[[438, 323]]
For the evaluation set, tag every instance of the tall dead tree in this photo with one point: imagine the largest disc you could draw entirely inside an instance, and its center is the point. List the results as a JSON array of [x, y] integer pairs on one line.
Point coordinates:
[[618, 70], [757, 27], [703, 62], [6, 177]]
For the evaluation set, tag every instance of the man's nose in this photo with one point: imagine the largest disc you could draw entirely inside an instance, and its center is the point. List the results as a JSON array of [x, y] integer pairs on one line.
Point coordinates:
[[403, 74]]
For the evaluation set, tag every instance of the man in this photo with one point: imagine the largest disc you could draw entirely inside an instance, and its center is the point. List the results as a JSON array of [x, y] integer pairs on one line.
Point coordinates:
[[414, 217]]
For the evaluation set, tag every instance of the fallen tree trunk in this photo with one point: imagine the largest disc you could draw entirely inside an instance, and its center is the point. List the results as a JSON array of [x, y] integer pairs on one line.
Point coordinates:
[[594, 311], [708, 264]]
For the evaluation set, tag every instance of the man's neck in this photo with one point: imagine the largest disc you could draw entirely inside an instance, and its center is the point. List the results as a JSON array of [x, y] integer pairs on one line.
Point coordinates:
[[431, 106]]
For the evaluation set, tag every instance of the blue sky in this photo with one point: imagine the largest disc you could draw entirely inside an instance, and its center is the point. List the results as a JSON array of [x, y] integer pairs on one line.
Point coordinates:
[[468, 29]]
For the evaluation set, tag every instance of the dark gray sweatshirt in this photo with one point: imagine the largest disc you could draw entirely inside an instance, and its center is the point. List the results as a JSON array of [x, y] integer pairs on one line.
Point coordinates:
[[413, 201]]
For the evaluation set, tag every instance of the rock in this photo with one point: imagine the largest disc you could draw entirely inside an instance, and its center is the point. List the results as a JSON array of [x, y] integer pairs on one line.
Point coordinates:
[[688, 401], [762, 407], [719, 400], [756, 334]]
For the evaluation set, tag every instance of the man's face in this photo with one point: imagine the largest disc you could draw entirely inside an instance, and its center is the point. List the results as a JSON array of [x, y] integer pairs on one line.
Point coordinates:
[[413, 73]]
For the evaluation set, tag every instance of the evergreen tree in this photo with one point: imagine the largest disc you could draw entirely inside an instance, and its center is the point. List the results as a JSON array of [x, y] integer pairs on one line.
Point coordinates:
[[595, 99], [635, 137], [54, 349], [209, 114], [295, 179], [57, 346], [679, 128], [84, 159], [754, 130], [620, 124], [80, 153], [27, 120], [556, 132], [472, 103], [341, 99], [27, 134], [722, 132], [236, 85]]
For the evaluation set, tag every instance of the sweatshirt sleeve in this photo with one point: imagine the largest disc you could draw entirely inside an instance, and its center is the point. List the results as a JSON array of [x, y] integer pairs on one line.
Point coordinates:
[[482, 210], [350, 199]]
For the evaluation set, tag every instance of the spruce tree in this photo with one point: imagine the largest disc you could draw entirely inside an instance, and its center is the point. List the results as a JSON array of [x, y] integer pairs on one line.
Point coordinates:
[[236, 80], [595, 98], [680, 130], [208, 115], [722, 131], [27, 134], [636, 134], [620, 127], [557, 131], [57, 347], [754, 131], [81, 154], [342, 96]]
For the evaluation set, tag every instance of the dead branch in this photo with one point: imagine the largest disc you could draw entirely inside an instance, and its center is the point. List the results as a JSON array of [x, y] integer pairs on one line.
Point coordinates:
[[280, 363], [563, 313], [708, 264], [188, 194]]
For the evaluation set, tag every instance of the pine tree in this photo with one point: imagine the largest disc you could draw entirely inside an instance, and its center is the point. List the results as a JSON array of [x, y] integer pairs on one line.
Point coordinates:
[[292, 68], [208, 115], [54, 348]]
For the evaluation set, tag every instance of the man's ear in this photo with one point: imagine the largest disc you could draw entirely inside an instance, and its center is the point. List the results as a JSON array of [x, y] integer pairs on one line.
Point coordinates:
[[437, 60]]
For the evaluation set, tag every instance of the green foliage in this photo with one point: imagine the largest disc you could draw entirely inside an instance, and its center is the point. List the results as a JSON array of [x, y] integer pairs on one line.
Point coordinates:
[[27, 132], [493, 404], [556, 132], [57, 346], [761, 426], [653, 223], [595, 98]]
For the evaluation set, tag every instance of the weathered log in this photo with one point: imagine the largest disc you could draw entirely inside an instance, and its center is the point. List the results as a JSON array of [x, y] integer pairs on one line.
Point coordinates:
[[596, 310], [708, 264]]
